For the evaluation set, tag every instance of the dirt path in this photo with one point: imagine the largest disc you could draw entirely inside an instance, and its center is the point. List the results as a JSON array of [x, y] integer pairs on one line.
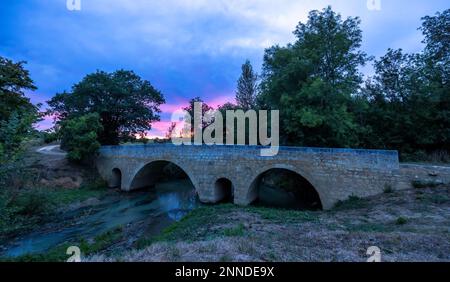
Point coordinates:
[[53, 150]]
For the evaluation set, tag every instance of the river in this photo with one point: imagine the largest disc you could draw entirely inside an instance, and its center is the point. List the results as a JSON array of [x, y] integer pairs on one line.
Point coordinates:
[[161, 205]]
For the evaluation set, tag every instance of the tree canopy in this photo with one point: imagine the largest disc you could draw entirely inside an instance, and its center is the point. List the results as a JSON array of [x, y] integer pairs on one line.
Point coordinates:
[[125, 103], [247, 87], [311, 81]]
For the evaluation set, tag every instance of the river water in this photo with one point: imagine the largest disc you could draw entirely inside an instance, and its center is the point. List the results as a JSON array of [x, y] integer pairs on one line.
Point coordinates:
[[161, 205]]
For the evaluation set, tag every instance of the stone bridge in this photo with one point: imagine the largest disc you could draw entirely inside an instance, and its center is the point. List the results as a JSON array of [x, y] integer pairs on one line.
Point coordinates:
[[335, 174]]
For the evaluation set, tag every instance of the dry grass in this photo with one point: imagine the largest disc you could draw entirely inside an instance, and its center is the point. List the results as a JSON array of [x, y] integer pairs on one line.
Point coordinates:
[[411, 225]]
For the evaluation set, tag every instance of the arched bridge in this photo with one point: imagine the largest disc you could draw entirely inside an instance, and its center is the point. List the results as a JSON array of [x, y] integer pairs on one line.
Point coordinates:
[[335, 174]]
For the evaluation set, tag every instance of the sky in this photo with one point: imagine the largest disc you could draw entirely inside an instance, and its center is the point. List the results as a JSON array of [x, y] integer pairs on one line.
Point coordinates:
[[185, 48]]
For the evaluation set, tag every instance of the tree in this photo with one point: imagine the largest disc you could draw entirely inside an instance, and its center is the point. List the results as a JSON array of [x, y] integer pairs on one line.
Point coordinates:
[[79, 136], [409, 96], [126, 104], [17, 113], [312, 81], [436, 63], [247, 87], [17, 116], [205, 110], [171, 130], [14, 80]]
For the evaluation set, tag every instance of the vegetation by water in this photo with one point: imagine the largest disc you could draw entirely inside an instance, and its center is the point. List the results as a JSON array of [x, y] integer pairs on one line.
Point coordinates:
[[58, 253], [24, 209], [195, 225]]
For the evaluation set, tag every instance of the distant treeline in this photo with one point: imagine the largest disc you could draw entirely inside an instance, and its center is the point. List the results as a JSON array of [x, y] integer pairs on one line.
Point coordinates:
[[316, 84]]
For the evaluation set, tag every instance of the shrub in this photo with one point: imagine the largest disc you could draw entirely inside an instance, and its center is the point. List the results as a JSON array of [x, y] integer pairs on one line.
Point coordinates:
[[238, 230], [401, 221], [79, 137], [353, 202], [425, 184], [388, 189]]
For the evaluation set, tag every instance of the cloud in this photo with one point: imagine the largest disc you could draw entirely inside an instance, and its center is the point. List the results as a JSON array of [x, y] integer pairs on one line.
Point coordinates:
[[185, 48]]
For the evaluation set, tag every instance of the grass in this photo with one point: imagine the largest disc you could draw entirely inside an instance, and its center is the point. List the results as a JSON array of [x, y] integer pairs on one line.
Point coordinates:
[[68, 196], [352, 203], [199, 224], [283, 215], [237, 231], [22, 209], [368, 227]]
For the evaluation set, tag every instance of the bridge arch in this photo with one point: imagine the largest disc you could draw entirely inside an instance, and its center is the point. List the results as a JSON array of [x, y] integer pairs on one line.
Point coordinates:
[[116, 180], [151, 172], [308, 195], [224, 190]]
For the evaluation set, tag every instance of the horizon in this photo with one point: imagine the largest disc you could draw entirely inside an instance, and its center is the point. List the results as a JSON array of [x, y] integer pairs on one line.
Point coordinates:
[[185, 49]]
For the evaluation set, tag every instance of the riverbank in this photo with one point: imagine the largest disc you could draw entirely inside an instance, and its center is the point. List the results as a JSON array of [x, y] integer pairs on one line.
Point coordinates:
[[412, 225]]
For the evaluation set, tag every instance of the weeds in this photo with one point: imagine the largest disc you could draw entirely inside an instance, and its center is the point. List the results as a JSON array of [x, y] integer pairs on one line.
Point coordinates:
[[236, 231], [353, 202]]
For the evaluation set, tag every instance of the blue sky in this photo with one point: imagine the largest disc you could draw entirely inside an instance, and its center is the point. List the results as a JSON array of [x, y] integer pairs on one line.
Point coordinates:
[[184, 48]]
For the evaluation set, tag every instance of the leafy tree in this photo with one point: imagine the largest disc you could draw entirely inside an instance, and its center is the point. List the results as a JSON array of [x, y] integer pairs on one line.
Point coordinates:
[[247, 87], [436, 63], [409, 96], [126, 104], [17, 116], [312, 81], [14, 80], [79, 136]]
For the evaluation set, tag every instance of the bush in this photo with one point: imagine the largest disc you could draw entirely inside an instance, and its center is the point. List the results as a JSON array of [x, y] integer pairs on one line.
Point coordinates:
[[33, 202], [49, 137], [401, 221], [353, 202], [425, 184], [388, 189], [79, 137]]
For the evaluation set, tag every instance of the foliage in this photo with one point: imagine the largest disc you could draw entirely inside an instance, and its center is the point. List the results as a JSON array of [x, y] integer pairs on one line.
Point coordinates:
[[17, 115], [247, 87], [14, 79], [312, 81], [235, 231], [401, 220], [79, 136], [126, 104], [316, 85], [353, 202], [22, 209]]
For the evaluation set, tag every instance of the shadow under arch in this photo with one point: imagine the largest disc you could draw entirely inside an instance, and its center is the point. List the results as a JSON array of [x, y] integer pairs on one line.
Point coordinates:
[[157, 171], [116, 180], [283, 187], [224, 190]]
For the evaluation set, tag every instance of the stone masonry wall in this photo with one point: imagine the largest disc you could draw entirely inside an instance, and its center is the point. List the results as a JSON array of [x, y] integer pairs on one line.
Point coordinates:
[[336, 174]]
